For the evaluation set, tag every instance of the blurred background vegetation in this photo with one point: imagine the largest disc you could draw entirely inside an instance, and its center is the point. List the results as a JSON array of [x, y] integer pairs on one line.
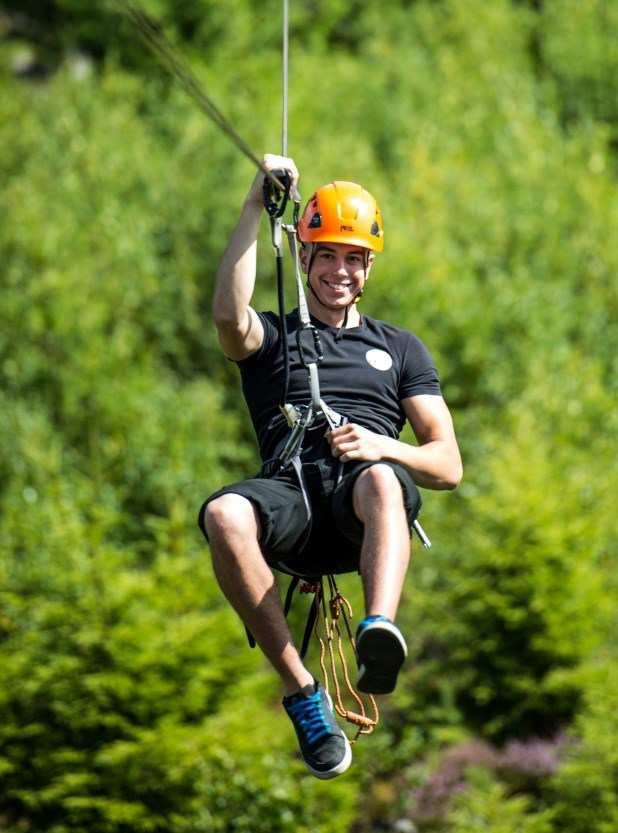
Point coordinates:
[[489, 133]]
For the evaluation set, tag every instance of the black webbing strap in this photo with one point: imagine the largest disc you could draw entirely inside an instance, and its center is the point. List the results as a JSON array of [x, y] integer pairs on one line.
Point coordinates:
[[311, 619], [290, 595], [250, 638]]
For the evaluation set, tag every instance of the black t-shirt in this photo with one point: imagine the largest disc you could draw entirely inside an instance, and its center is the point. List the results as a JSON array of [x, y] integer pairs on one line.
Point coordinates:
[[364, 375]]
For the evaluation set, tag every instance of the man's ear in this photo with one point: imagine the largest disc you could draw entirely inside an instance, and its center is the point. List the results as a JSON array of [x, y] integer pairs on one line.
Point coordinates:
[[370, 258], [303, 257]]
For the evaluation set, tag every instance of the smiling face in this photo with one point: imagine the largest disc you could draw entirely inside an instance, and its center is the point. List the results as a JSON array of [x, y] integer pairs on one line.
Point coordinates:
[[338, 274]]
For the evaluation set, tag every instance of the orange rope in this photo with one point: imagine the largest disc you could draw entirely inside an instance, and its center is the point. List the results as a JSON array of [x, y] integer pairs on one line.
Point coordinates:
[[340, 607]]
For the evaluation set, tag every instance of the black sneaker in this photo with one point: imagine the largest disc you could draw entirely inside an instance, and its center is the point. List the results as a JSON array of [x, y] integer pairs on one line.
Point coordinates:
[[381, 651], [324, 747]]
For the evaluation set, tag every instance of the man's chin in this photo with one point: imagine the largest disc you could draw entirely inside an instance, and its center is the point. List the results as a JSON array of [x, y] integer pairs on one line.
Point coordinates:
[[337, 301], [335, 304]]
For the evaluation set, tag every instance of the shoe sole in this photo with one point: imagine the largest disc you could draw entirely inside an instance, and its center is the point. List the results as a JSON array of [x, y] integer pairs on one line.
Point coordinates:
[[381, 653]]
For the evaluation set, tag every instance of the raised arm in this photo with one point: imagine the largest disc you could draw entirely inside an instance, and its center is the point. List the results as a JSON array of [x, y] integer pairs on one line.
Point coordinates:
[[238, 325]]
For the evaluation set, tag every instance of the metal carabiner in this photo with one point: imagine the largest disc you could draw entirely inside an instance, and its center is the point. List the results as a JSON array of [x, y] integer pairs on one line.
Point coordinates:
[[275, 202]]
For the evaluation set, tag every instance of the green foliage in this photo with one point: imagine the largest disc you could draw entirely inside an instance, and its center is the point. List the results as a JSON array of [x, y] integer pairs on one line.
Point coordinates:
[[580, 51], [521, 593], [127, 693], [484, 806], [128, 701], [585, 790]]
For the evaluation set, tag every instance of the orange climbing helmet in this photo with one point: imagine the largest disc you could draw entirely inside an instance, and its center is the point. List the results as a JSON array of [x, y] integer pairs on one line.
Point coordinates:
[[342, 212]]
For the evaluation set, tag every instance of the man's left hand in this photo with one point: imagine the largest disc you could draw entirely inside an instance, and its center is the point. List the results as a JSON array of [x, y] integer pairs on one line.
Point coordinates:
[[353, 442]]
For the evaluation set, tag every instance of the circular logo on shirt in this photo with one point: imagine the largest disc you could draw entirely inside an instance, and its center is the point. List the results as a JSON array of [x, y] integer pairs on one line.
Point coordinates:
[[379, 359]]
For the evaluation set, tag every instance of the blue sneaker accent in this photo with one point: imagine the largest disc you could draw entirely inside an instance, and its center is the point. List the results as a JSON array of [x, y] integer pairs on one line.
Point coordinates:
[[381, 651], [368, 620], [324, 747]]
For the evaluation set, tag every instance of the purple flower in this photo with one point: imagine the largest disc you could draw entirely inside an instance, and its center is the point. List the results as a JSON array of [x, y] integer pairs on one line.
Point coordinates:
[[519, 761], [531, 759]]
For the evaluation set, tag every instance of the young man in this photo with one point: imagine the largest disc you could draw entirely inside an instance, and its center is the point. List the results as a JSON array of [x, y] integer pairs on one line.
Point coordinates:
[[360, 479]]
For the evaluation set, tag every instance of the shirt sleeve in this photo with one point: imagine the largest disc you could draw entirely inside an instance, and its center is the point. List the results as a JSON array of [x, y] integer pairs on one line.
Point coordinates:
[[271, 339], [418, 372]]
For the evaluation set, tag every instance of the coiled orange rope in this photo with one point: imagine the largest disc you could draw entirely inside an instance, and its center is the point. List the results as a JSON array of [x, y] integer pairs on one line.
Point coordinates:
[[328, 631]]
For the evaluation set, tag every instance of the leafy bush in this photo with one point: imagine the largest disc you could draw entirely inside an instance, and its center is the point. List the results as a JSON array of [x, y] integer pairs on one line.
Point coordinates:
[[584, 793], [578, 49], [487, 807]]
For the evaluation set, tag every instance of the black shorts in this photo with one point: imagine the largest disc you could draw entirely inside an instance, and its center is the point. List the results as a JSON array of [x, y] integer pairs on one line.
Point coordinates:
[[331, 542]]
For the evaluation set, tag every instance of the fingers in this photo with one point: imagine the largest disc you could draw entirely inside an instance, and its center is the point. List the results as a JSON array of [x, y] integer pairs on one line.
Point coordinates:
[[352, 442], [273, 162], [348, 428], [343, 440], [348, 452], [342, 447]]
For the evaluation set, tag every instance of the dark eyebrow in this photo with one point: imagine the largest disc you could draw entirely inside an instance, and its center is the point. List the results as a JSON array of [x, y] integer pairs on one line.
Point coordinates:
[[323, 248]]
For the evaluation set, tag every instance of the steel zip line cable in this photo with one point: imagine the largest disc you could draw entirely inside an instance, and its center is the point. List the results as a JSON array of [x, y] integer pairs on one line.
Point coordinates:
[[278, 253], [152, 34], [286, 43]]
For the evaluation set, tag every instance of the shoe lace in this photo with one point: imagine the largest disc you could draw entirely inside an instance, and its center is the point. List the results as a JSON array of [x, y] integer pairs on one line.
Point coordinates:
[[308, 715]]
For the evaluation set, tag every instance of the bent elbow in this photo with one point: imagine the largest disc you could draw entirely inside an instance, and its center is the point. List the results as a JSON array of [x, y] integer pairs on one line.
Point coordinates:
[[226, 317], [221, 313], [454, 478]]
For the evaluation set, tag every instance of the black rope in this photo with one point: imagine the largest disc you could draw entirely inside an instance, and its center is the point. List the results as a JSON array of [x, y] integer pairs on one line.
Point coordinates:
[[314, 612], [152, 33]]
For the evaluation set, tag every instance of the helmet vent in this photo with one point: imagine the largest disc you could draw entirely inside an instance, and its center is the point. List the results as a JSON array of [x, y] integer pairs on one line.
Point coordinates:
[[375, 229], [316, 220]]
